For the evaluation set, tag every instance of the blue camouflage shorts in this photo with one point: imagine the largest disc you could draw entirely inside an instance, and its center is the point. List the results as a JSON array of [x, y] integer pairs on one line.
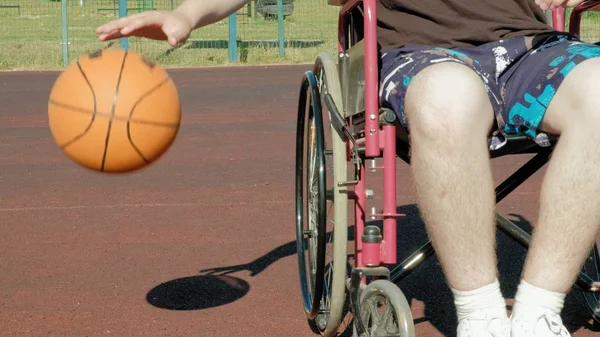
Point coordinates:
[[521, 76]]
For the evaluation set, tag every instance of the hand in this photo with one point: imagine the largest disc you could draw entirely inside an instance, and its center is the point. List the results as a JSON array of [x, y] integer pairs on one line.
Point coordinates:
[[174, 27], [553, 4]]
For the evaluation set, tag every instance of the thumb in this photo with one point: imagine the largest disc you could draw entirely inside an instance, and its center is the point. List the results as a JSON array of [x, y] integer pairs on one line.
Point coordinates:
[[175, 38], [175, 33], [172, 40]]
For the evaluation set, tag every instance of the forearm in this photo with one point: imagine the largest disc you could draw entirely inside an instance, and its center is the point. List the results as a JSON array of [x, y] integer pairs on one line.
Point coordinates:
[[201, 13]]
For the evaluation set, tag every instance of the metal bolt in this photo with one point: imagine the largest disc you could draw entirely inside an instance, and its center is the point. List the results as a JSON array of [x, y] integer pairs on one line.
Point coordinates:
[[369, 194], [372, 117]]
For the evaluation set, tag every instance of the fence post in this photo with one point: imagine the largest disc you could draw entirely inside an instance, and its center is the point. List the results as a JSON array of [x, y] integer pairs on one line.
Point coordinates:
[[233, 38], [280, 27], [65, 33], [122, 13]]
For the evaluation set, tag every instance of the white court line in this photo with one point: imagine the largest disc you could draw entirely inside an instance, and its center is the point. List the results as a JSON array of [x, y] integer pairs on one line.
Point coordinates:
[[187, 204]]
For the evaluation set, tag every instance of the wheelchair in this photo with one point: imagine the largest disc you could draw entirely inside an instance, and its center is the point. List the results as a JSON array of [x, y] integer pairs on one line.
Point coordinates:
[[341, 134]]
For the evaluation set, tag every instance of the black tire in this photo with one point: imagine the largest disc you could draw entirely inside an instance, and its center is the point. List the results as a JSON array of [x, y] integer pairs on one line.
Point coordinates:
[[310, 236]]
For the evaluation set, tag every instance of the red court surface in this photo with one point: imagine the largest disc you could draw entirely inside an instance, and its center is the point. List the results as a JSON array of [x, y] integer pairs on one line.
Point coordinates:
[[202, 242]]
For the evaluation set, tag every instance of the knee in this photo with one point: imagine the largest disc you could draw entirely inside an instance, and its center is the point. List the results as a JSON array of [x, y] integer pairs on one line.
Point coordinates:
[[583, 102], [448, 100], [576, 103]]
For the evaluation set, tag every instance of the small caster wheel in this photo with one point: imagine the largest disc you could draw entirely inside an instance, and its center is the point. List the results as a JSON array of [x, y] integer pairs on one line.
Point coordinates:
[[384, 311]]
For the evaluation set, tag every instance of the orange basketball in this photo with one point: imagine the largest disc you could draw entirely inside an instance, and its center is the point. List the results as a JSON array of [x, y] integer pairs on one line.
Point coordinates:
[[114, 111]]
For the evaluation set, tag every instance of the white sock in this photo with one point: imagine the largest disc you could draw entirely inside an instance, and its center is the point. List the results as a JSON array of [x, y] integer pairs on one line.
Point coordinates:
[[531, 300], [487, 297]]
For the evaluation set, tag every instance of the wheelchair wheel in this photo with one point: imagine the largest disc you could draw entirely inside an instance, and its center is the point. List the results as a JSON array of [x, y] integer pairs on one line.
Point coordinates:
[[321, 204], [384, 311], [592, 269]]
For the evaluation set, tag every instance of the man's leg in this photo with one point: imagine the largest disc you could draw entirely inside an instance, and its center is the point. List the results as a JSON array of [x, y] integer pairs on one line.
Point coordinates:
[[564, 77], [441, 95], [450, 116], [569, 217]]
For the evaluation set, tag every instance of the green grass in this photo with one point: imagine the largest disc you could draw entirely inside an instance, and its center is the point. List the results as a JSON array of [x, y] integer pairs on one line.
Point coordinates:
[[32, 40]]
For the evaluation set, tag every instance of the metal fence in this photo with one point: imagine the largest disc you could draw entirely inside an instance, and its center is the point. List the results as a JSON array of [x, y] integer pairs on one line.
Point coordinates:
[[590, 26], [37, 34], [33, 32]]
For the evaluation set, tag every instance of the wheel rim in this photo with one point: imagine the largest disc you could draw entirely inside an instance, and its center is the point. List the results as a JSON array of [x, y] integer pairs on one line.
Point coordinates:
[[310, 208], [592, 269]]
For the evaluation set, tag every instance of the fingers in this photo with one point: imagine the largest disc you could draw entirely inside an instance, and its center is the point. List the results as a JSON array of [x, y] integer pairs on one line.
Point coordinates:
[[554, 4], [126, 25], [573, 3], [172, 40], [110, 36], [142, 20], [156, 25], [177, 28], [174, 32], [545, 4], [549, 4], [112, 25]]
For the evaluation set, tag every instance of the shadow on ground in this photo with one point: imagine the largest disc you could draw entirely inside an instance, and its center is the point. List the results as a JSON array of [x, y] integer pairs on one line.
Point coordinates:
[[426, 284], [198, 292]]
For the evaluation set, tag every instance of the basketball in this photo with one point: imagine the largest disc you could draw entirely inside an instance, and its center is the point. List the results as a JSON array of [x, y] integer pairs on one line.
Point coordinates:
[[114, 111]]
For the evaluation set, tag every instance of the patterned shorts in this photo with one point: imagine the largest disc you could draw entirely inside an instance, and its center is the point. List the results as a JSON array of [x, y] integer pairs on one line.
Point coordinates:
[[521, 76]]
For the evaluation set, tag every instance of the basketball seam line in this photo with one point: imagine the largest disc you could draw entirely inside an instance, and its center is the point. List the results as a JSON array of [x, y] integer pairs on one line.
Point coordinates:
[[76, 138], [131, 116], [112, 113], [107, 115]]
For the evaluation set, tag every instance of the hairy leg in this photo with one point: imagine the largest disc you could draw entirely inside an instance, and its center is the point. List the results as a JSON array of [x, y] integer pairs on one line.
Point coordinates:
[[569, 218], [450, 115]]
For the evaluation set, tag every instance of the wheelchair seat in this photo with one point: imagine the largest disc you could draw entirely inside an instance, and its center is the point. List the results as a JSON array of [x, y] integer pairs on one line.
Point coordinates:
[[355, 108]]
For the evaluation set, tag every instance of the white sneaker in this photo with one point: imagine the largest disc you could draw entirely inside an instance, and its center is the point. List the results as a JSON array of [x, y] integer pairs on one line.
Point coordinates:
[[483, 324], [549, 324]]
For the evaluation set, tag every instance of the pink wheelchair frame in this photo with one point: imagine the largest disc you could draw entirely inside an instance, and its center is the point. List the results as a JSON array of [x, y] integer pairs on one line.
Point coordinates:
[[380, 139]]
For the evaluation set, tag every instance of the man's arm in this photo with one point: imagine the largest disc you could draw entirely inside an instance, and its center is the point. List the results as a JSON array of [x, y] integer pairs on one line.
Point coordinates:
[[202, 13], [175, 26]]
